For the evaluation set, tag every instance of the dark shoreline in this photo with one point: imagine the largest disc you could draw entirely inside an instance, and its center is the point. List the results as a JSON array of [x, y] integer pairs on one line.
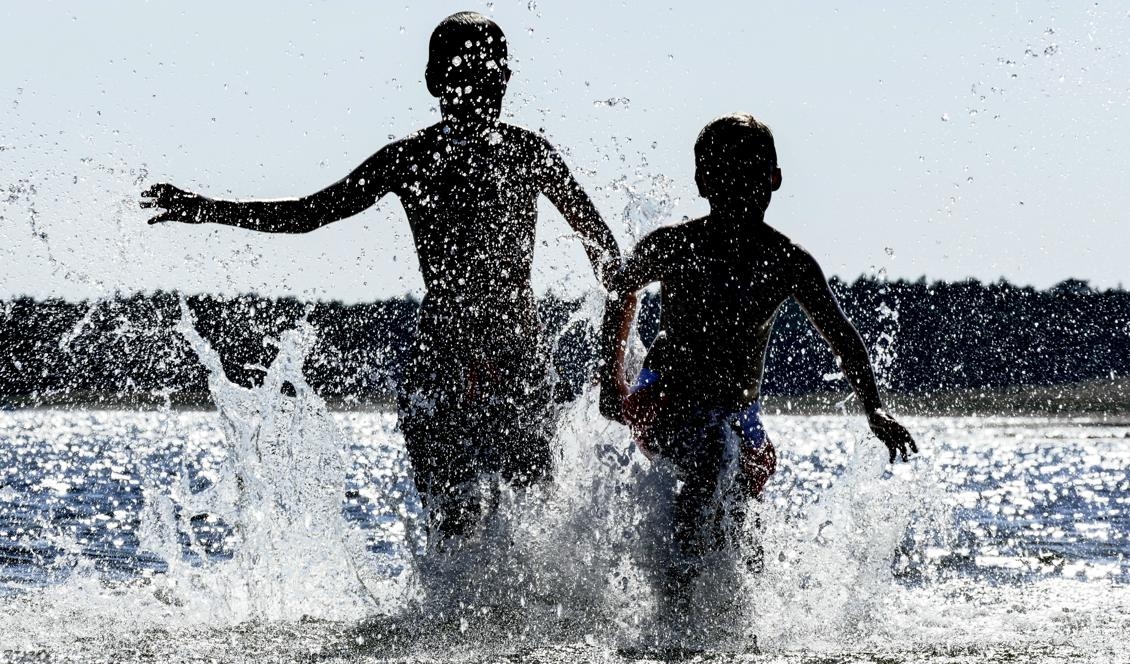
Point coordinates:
[[1109, 398]]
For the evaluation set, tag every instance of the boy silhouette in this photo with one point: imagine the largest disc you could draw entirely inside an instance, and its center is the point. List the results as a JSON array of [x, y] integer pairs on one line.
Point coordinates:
[[722, 278], [474, 398]]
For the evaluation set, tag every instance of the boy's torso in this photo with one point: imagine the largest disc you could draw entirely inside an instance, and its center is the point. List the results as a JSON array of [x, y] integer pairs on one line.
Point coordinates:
[[720, 296], [471, 203]]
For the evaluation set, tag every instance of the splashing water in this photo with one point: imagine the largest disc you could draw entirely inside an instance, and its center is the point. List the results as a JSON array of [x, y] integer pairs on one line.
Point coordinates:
[[279, 488], [273, 528]]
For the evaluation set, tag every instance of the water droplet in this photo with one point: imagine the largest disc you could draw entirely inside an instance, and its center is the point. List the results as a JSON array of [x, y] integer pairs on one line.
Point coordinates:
[[945, 117], [890, 251], [612, 102]]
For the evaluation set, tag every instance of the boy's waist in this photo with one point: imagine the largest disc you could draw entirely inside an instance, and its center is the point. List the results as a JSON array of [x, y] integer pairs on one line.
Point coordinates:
[[704, 390], [479, 314], [655, 412]]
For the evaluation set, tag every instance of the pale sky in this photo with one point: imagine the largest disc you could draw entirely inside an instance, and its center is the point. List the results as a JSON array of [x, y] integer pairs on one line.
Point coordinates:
[[946, 139]]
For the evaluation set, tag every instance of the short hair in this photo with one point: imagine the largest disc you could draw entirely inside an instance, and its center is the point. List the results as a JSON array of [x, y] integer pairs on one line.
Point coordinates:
[[466, 34], [735, 139]]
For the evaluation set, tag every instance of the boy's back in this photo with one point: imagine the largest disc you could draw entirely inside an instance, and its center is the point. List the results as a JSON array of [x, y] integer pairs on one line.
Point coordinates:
[[475, 396], [722, 278], [720, 293], [471, 201]]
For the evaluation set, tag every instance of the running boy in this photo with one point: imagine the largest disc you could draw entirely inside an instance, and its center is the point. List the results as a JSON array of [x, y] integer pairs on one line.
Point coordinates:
[[723, 277], [474, 399]]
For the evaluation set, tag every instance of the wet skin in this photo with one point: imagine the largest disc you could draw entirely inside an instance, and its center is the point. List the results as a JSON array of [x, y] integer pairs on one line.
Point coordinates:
[[472, 398], [470, 196], [723, 278]]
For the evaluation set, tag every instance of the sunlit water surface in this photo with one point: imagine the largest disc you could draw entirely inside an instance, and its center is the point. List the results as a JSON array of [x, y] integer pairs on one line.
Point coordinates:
[[1006, 538]]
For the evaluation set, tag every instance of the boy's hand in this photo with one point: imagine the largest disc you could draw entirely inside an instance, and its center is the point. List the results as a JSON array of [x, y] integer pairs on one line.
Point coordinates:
[[179, 205], [893, 434]]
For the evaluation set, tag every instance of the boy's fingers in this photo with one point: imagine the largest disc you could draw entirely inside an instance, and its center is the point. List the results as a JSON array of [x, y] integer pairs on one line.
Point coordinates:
[[165, 216], [149, 204], [163, 191]]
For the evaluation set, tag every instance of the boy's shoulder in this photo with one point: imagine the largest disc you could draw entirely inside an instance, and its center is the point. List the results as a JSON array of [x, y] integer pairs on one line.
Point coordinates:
[[504, 133], [526, 140], [783, 244], [523, 133], [788, 258], [668, 238]]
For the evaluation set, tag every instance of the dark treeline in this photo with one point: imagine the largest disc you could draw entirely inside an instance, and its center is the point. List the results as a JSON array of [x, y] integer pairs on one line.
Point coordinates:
[[923, 337]]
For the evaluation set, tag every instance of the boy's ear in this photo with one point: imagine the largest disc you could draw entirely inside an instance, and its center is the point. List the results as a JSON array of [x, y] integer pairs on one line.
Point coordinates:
[[432, 78], [698, 180], [776, 178]]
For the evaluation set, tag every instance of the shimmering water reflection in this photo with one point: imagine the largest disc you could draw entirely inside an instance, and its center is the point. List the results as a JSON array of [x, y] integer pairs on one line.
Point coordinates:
[[1016, 541]]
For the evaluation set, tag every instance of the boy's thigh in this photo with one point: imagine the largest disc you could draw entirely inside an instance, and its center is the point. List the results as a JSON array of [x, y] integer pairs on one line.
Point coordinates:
[[451, 438], [696, 446], [705, 503], [516, 433], [440, 461]]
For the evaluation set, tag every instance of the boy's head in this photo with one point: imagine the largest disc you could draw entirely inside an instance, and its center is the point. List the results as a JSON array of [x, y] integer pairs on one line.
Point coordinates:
[[467, 66], [736, 162]]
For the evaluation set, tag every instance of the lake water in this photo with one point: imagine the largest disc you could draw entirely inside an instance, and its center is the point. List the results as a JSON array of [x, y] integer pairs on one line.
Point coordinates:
[[290, 535]]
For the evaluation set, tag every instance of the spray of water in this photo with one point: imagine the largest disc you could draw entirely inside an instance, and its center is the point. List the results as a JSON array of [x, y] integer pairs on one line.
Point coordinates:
[[279, 488]]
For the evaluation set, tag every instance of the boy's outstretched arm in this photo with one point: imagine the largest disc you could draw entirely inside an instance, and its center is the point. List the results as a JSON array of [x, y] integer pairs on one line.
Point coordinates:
[[817, 300], [345, 198], [566, 194]]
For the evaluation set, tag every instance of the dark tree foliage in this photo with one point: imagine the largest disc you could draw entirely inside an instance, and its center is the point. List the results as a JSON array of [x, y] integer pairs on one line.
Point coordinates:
[[923, 338]]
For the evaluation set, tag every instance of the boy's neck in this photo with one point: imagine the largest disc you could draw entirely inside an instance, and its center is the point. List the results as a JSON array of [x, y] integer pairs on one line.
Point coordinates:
[[465, 120], [742, 212]]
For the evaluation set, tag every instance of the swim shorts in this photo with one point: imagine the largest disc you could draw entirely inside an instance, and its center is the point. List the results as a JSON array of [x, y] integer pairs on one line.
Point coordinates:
[[686, 436], [465, 418]]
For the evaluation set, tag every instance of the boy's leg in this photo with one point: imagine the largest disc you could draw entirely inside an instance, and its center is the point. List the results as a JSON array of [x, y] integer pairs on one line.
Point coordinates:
[[461, 422], [519, 422], [757, 466], [694, 511], [710, 510], [436, 426], [445, 479], [526, 439]]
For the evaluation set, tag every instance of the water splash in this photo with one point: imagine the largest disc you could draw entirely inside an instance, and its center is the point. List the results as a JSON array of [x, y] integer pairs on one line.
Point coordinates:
[[856, 556], [279, 487], [649, 201]]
